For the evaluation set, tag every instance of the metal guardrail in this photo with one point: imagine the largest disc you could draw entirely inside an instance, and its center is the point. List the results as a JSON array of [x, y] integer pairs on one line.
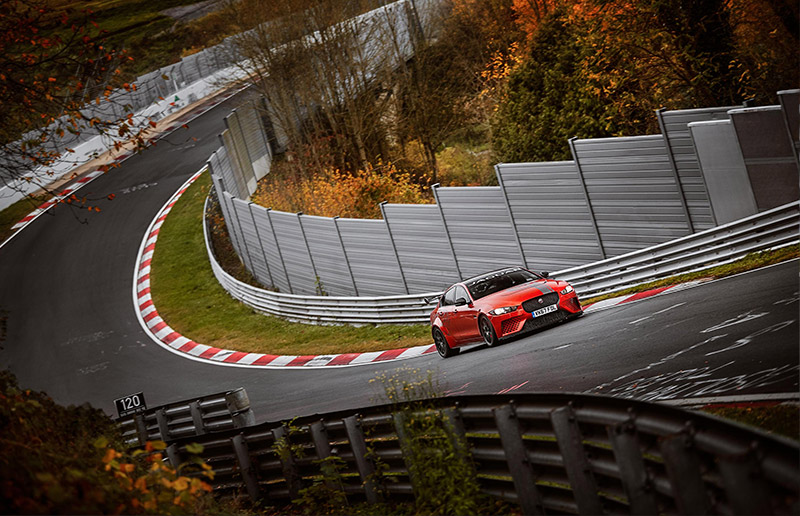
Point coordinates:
[[573, 454], [212, 413], [406, 309], [773, 228]]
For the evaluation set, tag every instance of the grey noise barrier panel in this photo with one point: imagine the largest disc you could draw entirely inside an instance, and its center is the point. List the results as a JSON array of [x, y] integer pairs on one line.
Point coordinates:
[[547, 453]]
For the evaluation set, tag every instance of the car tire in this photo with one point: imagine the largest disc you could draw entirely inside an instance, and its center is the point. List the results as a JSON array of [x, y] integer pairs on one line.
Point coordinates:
[[442, 347], [487, 331]]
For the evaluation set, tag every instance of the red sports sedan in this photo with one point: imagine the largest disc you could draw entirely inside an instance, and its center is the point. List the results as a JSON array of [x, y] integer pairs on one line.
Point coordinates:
[[500, 304]]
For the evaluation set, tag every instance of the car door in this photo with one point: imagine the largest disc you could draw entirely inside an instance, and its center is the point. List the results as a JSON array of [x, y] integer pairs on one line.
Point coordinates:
[[464, 320], [445, 311]]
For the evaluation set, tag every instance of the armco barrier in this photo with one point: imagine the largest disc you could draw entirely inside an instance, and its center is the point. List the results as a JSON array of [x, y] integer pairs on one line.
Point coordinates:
[[773, 228], [212, 413], [555, 453]]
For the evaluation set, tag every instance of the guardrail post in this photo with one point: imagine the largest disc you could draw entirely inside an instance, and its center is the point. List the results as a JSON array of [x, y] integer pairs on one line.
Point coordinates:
[[571, 142], [197, 417], [394, 247], [579, 472], [173, 455], [322, 444], [635, 478], [245, 467], [510, 213], [366, 469], [674, 167], [344, 252], [683, 469], [519, 465], [260, 243], [458, 435], [239, 407], [288, 464], [435, 190], [163, 426], [399, 419], [744, 483], [141, 428]]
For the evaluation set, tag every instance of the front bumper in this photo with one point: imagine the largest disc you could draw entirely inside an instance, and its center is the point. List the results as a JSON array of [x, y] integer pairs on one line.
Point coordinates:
[[521, 321]]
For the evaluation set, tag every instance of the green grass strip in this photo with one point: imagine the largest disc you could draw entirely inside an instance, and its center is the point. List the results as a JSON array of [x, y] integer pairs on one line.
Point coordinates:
[[190, 299]]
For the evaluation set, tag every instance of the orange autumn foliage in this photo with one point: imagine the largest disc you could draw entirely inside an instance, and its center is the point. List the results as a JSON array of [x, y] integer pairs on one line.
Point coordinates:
[[333, 193]]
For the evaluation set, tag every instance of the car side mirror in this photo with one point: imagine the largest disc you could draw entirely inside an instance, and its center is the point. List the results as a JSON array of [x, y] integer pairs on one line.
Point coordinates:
[[545, 274], [461, 301]]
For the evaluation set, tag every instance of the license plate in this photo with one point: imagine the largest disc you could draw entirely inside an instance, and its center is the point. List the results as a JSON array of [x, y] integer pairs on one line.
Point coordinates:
[[545, 310]]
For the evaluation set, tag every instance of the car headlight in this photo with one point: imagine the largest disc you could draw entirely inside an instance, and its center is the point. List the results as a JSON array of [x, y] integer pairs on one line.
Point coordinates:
[[504, 310], [567, 290]]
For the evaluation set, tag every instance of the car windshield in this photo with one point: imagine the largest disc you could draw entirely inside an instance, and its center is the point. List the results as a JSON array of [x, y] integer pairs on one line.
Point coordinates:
[[501, 280]]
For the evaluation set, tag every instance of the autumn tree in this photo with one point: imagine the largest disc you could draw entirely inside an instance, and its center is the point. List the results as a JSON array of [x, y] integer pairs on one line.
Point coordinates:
[[322, 70], [57, 80]]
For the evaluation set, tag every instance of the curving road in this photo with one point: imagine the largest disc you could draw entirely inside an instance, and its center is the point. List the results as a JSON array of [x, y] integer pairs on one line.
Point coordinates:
[[72, 330]]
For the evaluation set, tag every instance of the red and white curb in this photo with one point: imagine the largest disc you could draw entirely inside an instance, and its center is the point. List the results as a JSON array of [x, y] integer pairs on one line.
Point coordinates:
[[77, 185], [616, 301], [88, 178], [168, 338]]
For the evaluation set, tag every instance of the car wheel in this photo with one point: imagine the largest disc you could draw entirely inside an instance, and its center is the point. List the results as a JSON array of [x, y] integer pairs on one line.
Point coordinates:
[[441, 344], [487, 331]]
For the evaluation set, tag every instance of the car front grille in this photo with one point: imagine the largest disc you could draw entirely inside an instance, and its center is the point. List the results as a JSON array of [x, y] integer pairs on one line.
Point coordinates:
[[544, 320], [540, 301]]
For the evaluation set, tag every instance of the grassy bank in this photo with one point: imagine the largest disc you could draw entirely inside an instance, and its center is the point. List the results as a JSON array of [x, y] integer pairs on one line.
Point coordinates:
[[18, 211], [191, 300]]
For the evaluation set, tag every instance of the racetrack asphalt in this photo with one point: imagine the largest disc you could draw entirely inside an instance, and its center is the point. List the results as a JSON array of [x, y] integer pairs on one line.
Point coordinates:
[[71, 328]]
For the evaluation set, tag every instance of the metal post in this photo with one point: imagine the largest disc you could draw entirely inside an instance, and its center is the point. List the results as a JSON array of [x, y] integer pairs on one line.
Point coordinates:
[[278, 246], [743, 478], [635, 478], [244, 238], [308, 249], [163, 426], [173, 455], [261, 244], [435, 190], [394, 247], [246, 469], [290, 470], [399, 419], [510, 213], [246, 149], [683, 469], [366, 469], [674, 166], [586, 196], [263, 129], [141, 429], [197, 418], [519, 465], [344, 252], [579, 472], [319, 434]]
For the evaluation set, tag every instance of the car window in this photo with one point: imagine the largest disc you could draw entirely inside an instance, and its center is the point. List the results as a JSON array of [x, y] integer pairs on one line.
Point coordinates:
[[461, 292], [449, 297], [502, 280]]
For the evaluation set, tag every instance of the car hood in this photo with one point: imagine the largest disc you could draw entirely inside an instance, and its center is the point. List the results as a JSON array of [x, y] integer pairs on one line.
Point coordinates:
[[517, 294]]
